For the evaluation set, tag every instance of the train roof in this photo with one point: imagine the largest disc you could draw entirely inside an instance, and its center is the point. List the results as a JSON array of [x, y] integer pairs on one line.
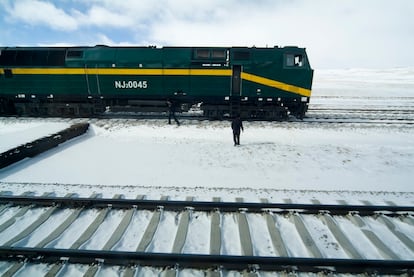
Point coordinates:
[[139, 47]]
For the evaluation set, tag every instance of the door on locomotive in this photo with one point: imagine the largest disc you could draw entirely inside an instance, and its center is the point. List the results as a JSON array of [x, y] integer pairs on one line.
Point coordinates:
[[235, 90]]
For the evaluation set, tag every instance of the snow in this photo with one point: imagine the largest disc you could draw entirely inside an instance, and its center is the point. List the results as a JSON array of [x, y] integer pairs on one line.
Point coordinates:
[[201, 154], [69, 237], [291, 237], [230, 233], [198, 237], [278, 161], [373, 83], [133, 235], [324, 237], [15, 133], [105, 230], [364, 247], [44, 230], [260, 236]]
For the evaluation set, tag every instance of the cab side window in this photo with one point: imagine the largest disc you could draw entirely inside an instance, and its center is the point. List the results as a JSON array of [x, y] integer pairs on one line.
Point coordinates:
[[294, 60]]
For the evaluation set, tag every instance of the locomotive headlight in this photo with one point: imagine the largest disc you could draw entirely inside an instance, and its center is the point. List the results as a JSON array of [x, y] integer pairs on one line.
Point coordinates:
[[304, 99]]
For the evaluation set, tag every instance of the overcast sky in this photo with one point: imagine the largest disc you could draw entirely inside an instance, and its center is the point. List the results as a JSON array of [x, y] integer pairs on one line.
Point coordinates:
[[336, 33]]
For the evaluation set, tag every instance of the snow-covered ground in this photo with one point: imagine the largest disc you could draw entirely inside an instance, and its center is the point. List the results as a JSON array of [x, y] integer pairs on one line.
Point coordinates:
[[14, 133], [275, 159]]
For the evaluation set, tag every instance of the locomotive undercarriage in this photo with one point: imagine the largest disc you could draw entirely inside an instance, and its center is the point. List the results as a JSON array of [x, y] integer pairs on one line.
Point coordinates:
[[271, 109], [213, 110], [48, 108]]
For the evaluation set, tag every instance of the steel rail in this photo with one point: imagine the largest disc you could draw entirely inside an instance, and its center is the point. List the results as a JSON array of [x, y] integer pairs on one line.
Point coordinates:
[[206, 206], [200, 261], [356, 121], [339, 110]]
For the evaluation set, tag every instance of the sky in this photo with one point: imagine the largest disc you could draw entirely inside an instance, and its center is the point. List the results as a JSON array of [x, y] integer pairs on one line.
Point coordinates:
[[336, 33]]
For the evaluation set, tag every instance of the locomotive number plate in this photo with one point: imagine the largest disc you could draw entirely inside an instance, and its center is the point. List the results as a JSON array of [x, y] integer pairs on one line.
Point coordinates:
[[133, 84]]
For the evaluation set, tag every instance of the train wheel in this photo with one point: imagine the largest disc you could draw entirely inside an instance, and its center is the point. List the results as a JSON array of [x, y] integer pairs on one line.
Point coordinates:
[[7, 107]]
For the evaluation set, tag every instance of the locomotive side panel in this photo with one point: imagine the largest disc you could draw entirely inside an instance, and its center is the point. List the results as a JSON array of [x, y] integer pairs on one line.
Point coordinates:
[[257, 82]]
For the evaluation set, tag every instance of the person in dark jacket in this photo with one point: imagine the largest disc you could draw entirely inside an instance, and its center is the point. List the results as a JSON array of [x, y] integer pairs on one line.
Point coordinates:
[[237, 125], [171, 111]]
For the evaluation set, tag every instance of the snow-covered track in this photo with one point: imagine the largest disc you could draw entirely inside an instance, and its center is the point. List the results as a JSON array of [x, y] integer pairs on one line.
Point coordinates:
[[212, 264], [351, 109], [205, 206], [177, 235], [363, 115]]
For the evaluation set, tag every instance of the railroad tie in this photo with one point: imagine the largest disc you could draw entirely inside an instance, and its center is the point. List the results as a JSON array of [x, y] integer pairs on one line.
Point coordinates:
[[61, 228], [304, 234], [54, 270], [39, 221], [400, 235], [342, 202], [129, 271], [406, 219], [275, 235], [383, 249], [11, 221], [20, 213], [169, 272], [92, 270], [342, 239], [213, 273], [182, 230], [87, 234], [123, 225], [244, 232], [215, 232], [57, 267], [16, 267], [120, 230], [247, 273], [4, 207], [12, 270], [151, 229]]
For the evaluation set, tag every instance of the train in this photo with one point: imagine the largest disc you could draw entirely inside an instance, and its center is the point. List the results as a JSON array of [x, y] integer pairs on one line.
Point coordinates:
[[252, 82]]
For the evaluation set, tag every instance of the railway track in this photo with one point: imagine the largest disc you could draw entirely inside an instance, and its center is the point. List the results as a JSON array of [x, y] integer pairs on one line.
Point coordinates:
[[311, 117], [59, 235], [323, 111], [373, 110], [322, 115], [353, 115]]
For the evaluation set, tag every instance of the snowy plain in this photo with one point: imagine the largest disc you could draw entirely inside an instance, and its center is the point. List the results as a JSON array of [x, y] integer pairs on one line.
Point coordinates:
[[280, 161]]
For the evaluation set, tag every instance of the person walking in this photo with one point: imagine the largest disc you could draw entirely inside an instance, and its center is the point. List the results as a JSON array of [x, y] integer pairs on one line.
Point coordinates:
[[171, 111], [237, 125]]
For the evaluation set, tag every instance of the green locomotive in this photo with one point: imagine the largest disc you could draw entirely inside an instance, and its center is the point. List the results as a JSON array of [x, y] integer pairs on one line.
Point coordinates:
[[267, 83]]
